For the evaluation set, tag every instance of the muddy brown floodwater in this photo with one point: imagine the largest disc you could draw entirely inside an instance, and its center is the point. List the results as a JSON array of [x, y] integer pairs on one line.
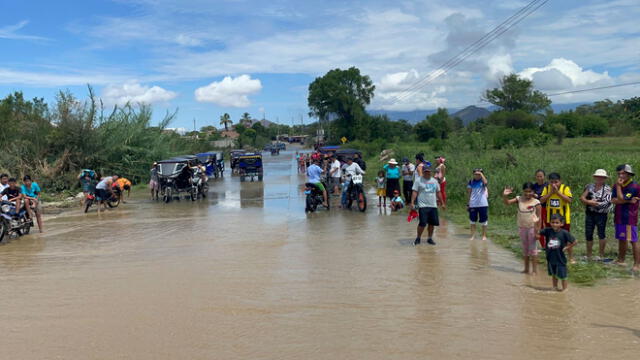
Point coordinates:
[[246, 274]]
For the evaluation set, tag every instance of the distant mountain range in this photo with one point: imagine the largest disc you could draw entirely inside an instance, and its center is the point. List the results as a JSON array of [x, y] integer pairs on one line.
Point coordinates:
[[468, 114]]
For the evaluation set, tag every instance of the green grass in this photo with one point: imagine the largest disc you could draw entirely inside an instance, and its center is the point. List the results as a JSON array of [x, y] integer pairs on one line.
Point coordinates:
[[575, 160]]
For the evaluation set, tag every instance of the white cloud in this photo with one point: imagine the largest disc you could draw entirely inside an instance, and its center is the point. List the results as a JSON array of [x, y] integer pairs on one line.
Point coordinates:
[[134, 92], [563, 74], [499, 65], [11, 32], [55, 79], [393, 16], [403, 91], [230, 92]]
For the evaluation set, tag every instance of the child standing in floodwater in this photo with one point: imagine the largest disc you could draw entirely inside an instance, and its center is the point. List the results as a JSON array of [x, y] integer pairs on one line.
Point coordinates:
[[381, 186], [529, 222], [478, 205], [558, 241]]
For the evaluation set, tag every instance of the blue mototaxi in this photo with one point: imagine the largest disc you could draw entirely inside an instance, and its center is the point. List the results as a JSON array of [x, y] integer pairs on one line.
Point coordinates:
[[213, 163], [250, 166]]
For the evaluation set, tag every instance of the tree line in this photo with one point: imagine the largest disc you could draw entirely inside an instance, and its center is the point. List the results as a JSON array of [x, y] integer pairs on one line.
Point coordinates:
[[523, 116], [53, 143]]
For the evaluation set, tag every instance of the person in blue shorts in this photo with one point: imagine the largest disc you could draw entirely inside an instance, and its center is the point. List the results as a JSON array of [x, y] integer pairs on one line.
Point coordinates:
[[558, 240], [478, 204]]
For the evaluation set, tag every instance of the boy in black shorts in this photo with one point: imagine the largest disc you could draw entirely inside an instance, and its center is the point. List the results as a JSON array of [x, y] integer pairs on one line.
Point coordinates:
[[558, 241]]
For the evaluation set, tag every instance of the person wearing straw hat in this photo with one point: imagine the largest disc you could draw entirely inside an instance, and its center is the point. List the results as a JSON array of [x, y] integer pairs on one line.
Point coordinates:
[[597, 200], [392, 174], [625, 196]]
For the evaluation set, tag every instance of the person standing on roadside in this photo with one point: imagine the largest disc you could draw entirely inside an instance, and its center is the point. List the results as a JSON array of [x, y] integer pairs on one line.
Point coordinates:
[[392, 175], [597, 199], [538, 188], [154, 181], [558, 198], [424, 198], [420, 163], [408, 169], [478, 204], [335, 174], [441, 176], [381, 185], [625, 196], [528, 223], [558, 242]]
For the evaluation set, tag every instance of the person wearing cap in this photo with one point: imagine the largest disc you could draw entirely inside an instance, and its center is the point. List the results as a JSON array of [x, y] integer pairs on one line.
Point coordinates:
[[407, 178], [625, 196], [396, 201], [154, 181], [392, 174], [424, 198], [597, 200], [478, 203]]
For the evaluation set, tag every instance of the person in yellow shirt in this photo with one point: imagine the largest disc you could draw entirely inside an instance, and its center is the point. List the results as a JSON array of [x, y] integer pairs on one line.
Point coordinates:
[[123, 184], [558, 198]]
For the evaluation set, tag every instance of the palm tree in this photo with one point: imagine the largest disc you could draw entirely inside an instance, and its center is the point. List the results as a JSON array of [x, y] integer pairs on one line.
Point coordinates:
[[226, 121], [246, 119]]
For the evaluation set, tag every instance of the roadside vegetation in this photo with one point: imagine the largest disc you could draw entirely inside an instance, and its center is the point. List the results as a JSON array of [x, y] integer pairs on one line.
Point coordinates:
[[52, 143]]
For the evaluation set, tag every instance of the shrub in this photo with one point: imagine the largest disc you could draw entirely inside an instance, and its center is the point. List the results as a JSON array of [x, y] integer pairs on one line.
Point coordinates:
[[593, 125]]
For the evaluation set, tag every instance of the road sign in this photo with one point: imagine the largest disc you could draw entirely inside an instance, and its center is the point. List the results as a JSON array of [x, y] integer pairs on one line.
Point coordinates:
[[343, 139]]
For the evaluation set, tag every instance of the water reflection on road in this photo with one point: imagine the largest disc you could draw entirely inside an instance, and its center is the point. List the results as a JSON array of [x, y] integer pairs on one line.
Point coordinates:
[[246, 274]]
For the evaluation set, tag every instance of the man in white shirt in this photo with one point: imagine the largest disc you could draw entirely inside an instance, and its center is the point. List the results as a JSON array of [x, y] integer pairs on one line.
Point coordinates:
[[4, 183], [335, 173], [352, 168], [407, 178]]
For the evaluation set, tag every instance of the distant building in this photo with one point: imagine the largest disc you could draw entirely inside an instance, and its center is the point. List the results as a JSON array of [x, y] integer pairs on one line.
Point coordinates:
[[231, 134], [224, 143]]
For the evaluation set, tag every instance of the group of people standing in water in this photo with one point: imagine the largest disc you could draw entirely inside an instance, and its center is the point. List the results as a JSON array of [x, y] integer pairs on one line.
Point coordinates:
[[544, 215]]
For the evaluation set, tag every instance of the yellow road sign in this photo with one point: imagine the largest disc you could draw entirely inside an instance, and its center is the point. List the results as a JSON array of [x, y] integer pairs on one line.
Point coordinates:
[[343, 139]]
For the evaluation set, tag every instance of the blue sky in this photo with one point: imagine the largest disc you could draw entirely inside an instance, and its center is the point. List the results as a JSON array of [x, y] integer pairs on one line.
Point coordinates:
[[210, 57]]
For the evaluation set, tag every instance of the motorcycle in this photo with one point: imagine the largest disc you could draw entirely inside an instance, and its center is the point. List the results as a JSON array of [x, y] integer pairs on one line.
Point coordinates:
[[314, 198], [12, 222], [112, 202], [356, 193]]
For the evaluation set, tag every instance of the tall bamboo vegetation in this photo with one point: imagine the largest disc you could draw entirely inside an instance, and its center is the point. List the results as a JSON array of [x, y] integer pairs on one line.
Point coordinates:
[[52, 143]]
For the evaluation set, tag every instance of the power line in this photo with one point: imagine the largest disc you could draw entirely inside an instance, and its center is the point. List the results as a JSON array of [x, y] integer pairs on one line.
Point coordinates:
[[478, 45], [473, 48], [595, 88], [483, 38]]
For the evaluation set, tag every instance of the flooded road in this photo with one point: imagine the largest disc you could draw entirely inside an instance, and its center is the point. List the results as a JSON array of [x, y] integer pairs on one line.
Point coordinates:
[[245, 274]]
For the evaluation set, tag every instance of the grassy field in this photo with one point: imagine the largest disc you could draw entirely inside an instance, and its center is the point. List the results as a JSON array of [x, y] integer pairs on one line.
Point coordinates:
[[575, 160]]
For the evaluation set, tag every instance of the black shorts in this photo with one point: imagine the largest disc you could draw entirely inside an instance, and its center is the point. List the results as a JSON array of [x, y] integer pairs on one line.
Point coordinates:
[[428, 216], [479, 214], [102, 194], [592, 221], [558, 271]]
